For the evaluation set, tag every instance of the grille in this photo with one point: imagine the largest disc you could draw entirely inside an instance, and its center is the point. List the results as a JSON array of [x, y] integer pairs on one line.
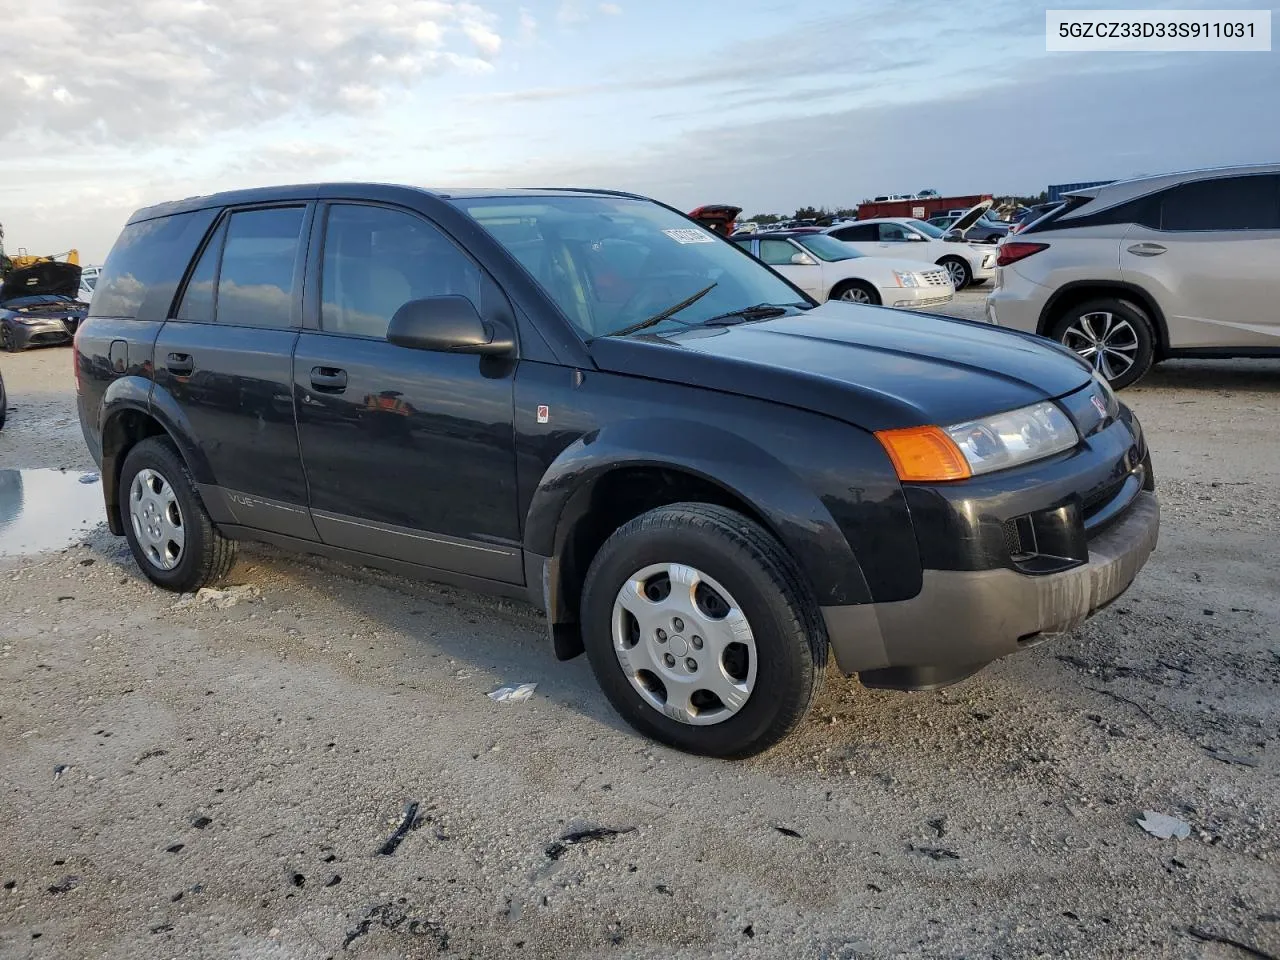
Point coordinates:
[[936, 278], [1012, 539]]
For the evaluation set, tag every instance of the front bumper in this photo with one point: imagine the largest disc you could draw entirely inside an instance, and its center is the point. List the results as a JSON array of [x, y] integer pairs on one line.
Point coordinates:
[[964, 619], [44, 333]]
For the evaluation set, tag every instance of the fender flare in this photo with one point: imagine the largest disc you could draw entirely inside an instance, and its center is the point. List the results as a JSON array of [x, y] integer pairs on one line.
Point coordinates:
[[135, 394], [743, 470]]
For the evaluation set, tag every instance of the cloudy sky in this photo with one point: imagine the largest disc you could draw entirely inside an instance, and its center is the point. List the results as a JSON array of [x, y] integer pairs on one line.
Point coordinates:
[[105, 107]]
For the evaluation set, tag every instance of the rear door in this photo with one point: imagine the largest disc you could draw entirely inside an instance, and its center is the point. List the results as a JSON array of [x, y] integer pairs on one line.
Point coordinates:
[[223, 366], [409, 454], [863, 237], [1211, 261]]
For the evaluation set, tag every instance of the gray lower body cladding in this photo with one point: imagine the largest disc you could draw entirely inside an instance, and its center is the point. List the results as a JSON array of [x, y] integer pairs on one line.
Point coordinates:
[[964, 619]]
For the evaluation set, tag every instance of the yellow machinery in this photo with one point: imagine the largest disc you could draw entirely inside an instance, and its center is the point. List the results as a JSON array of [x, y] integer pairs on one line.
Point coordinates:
[[24, 259]]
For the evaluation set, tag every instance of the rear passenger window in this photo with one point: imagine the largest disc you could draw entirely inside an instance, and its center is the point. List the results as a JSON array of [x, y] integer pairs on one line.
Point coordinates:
[[255, 283], [146, 265], [197, 301], [376, 260], [856, 234], [1228, 203]]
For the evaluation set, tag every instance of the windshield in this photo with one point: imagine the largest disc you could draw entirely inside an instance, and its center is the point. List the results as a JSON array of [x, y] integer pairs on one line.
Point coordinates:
[[827, 248], [611, 263], [928, 229]]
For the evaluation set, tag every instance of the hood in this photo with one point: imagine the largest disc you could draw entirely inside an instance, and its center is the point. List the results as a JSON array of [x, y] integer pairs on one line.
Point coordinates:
[[969, 218], [47, 278], [876, 368]]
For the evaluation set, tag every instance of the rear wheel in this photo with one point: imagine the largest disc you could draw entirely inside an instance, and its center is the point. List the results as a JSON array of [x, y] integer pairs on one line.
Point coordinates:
[[960, 273], [1113, 335], [168, 529], [701, 632], [856, 291]]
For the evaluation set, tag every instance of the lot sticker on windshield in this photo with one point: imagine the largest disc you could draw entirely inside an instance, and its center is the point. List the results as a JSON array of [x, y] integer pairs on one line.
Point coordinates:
[[690, 236]]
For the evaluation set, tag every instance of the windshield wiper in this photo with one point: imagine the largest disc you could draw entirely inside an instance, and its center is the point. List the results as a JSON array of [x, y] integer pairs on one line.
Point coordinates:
[[666, 314], [761, 311]]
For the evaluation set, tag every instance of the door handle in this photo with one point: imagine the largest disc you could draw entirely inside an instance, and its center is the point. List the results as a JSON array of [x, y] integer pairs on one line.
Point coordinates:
[[328, 379], [180, 364], [1148, 249]]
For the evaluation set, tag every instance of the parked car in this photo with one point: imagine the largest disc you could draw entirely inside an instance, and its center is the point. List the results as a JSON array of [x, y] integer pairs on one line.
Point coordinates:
[[717, 217], [88, 279], [38, 305], [827, 269], [1128, 274], [1031, 215], [705, 478], [926, 194], [985, 230], [964, 262]]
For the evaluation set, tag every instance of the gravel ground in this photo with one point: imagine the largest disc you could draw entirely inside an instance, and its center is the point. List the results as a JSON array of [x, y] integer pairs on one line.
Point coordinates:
[[186, 779]]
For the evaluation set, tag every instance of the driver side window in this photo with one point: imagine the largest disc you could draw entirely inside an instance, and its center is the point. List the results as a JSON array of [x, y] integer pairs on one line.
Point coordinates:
[[776, 252], [376, 260]]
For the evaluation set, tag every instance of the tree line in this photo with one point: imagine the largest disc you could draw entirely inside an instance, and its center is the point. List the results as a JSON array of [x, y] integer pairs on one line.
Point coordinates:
[[842, 213]]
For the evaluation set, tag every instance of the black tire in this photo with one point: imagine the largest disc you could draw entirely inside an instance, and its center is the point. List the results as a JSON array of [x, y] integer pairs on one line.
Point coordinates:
[[1129, 313], [7, 340], [207, 556], [960, 271], [873, 295], [787, 626]]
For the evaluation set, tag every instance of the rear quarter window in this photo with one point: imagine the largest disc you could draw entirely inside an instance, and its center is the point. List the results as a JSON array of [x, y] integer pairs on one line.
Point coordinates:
[[1225, 203], [146, 265]]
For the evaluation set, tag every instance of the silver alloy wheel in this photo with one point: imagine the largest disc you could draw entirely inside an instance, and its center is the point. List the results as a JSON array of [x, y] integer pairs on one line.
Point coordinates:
[[856, 295], [957, 272], [157, 519], [1108, 342], [684, 644]]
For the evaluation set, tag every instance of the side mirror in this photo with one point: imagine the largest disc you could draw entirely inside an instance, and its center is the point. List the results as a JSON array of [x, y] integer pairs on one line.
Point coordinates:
[[449, 324], [802, 260]]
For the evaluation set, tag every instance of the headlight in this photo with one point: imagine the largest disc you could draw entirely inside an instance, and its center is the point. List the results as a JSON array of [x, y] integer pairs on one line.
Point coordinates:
[[1014, 438], [28, 321], [906, 279]]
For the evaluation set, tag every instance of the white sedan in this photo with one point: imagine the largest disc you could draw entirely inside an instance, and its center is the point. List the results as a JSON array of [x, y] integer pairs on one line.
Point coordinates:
[[904, 238], [827, 269]]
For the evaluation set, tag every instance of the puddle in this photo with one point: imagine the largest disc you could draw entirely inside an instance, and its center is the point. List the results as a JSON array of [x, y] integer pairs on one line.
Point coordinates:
[[47, 509]]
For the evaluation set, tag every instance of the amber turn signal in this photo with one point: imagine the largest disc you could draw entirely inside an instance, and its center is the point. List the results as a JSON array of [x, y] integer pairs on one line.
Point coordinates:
[[924, 454]]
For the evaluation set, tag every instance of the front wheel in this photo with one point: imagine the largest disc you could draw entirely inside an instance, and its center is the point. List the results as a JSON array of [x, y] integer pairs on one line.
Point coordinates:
[[960, 273], [168, 529], [856, 291], [701, 632], [7, 340], [1114, 336]]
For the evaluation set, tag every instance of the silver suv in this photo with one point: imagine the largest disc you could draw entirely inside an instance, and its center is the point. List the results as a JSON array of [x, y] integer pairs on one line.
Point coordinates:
[[1128, 274]]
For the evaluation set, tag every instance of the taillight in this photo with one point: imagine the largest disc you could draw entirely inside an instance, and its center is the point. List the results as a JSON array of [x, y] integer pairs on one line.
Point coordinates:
[[1011, 251]]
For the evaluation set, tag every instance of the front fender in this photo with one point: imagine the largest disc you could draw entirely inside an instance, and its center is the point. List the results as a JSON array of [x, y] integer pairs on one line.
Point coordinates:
[[743, 469]]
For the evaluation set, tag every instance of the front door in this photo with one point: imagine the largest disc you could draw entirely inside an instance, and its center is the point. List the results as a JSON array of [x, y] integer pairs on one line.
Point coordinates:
[[780, 255], [409, 454], [223, 367], [1213, 262]]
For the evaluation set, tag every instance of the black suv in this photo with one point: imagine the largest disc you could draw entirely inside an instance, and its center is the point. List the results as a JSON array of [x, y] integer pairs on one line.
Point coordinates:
[[585, 398]]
